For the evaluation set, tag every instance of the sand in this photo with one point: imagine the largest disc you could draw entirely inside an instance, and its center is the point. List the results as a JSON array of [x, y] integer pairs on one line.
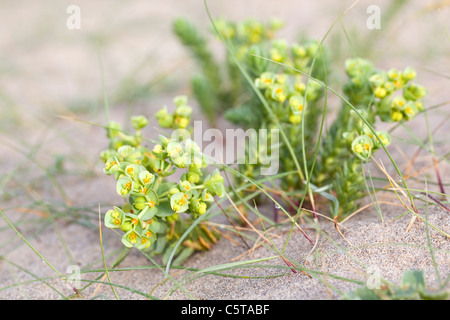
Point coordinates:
[[48, 70]]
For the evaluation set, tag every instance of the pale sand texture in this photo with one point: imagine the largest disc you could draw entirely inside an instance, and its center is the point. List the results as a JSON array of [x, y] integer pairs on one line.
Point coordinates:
[[46, 69]]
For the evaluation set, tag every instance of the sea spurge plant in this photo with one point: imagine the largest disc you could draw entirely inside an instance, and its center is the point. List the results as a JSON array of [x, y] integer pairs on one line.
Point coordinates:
[[292, 100], [294, 103], [374, 93], [220, 86], [153, 204]]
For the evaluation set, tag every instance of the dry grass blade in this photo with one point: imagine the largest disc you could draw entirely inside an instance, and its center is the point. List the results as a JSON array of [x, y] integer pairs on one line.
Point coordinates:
[[250, 251], [411, 223], [367, 206], [232, 223], [39, 213], [395, 188], [223, 234], [392, 182], [438, 176], [338, 230], [313, 248], [242, 216], [422, 170], [280, 254], [436, 200], [99, 285]]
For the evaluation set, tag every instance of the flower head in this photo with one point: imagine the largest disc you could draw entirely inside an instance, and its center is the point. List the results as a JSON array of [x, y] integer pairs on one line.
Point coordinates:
[[139, 122], [179, 202], [362, 147], [114, 218], [124, 186]]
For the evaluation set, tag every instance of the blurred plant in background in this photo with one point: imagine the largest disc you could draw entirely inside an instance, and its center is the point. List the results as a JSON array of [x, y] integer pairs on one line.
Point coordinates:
[[219, 86]]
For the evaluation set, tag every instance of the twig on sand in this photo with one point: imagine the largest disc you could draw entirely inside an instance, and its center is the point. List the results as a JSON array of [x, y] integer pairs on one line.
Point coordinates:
[[436, 200]]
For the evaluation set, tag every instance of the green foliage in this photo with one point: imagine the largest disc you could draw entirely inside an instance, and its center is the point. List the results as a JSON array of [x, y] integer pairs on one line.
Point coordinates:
[[150, 218], [219, 86], [374, 94], [412, 287], [296, 104]]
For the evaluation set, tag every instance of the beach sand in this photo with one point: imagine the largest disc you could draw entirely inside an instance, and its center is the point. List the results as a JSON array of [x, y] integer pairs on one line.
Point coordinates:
[[48, 70]]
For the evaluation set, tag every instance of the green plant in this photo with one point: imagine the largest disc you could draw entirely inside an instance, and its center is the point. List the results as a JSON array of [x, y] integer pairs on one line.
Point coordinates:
[[292, 81], [412, 287], [218, 87], [389, 95], [150, 218]]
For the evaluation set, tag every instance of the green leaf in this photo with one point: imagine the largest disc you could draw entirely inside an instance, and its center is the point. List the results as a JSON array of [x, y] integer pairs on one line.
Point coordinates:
[[168, 251], [164, 210], [160, 244], [154, 226], [414, 279], [165, 186], [184, 254], [149, 213], [362, 293], [243, 115], [153, 196], [429, 295]]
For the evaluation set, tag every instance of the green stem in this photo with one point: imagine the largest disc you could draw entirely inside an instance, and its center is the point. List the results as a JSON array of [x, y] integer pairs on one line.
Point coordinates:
[[198, 187], [143, 212], [157, 183]]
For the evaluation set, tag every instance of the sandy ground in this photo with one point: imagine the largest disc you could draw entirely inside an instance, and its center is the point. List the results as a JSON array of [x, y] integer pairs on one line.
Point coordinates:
[[47, 70]]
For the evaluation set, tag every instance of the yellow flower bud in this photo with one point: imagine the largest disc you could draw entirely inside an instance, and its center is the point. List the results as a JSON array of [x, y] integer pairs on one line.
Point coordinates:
[[396, 116], [295, 119], [181, 122], [380, 92]]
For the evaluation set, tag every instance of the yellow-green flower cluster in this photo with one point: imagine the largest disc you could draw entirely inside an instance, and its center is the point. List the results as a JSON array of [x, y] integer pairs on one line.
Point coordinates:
[[248, 32], [363, 146], [287, 94], [394, 96], [139, 230], [296, 55], [141, 172], [253, 39], [137, 183], [399, 98], [179, 119], [390, 95]]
